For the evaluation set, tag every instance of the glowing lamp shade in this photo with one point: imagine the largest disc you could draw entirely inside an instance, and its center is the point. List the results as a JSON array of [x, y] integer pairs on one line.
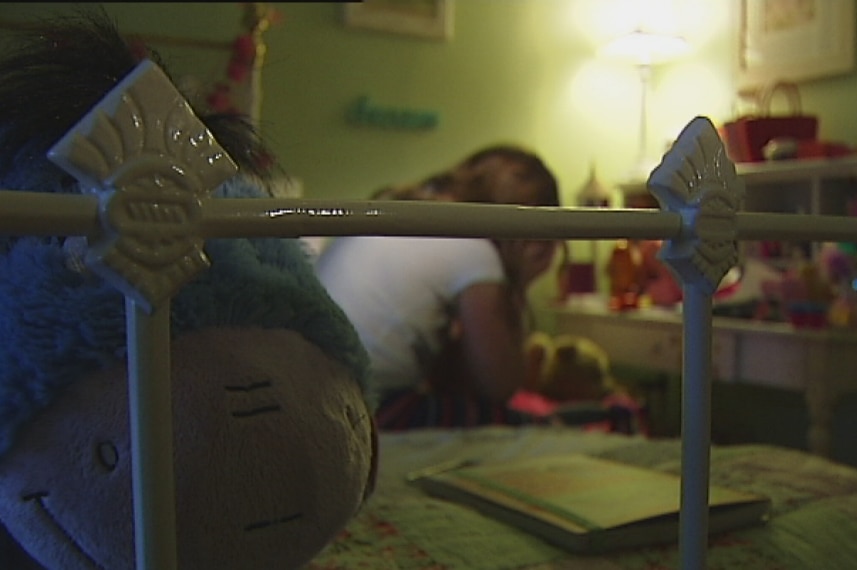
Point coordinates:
[[646, 48]]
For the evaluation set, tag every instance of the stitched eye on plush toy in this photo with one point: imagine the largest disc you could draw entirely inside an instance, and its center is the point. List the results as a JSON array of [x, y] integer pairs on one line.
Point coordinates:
[[253, 390], [258, 525], [107, 455]]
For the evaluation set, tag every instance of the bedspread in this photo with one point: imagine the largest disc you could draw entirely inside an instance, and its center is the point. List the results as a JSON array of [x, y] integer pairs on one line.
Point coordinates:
[[813, 522]]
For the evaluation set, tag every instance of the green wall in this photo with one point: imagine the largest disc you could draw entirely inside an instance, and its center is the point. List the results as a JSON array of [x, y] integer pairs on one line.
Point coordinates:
[[525, 71], [515, 70]]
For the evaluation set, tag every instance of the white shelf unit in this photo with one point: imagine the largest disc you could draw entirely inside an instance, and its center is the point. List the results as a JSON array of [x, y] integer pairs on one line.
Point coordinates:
[[816, 187], [819, 186], [822, 186]]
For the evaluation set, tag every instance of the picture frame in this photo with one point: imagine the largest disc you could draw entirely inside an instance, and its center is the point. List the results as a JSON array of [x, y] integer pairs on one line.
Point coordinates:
[[427, 19], [794, 40]]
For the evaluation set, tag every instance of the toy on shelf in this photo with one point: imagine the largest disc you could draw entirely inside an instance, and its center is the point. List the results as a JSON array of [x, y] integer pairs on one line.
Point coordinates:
[[574, 276], [638, 278]]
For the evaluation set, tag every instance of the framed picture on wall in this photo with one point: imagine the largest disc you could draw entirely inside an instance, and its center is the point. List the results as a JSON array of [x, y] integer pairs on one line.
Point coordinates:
[[794, 40], [431, 19]]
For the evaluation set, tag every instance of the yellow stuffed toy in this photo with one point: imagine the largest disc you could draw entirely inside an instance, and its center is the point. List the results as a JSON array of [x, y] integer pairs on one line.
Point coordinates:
[[569, 379]]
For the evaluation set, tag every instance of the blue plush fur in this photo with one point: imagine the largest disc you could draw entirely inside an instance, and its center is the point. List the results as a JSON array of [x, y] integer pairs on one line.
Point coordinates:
[[58, 323]]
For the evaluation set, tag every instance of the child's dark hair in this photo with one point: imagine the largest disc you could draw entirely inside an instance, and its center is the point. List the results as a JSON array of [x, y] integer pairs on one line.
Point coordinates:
[[505, 174], [502, 174]]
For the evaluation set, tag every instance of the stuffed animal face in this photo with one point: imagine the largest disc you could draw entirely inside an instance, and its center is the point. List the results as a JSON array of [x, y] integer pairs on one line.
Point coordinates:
[[274, 445], [274, 453]]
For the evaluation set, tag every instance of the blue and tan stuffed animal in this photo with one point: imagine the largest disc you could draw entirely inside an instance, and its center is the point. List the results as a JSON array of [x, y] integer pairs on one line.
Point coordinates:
[[274, 440]]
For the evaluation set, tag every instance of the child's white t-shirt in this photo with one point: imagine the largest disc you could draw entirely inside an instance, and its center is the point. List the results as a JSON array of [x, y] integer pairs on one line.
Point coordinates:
[[399, 293]]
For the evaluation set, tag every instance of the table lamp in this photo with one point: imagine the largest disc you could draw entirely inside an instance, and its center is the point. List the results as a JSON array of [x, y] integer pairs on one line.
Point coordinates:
[[645, 49]]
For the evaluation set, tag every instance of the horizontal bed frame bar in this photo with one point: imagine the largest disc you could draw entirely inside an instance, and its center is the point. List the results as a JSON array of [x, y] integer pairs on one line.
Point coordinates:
[[24, 213]]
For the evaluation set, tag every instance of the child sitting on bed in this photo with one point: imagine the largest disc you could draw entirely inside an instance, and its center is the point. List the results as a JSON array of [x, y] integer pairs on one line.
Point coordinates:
[[443, 319]]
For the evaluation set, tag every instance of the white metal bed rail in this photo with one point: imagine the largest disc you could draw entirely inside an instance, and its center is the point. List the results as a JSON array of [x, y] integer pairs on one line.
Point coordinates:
[[153, 191]]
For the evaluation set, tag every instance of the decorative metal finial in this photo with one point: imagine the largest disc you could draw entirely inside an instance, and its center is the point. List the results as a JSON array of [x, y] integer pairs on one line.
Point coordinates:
[[697, 180], [150, 160]]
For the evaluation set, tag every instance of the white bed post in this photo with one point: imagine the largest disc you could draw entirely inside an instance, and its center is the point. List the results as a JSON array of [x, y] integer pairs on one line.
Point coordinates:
[[697, 180], [150, 160]]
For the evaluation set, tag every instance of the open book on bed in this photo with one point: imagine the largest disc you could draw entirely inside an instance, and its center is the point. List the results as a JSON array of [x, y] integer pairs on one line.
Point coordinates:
[[585, 504]]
